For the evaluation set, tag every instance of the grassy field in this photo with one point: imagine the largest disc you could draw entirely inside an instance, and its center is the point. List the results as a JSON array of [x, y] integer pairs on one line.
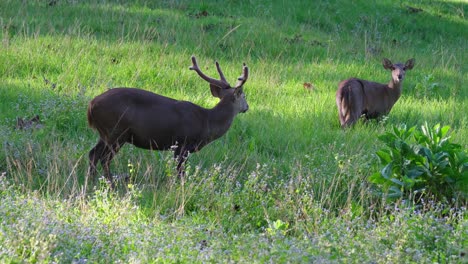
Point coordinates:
[[285, 184]]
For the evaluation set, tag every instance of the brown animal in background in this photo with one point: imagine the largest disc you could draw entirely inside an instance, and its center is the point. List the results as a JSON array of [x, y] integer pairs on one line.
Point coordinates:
[[356, 97], [24, 124], [151, 121]]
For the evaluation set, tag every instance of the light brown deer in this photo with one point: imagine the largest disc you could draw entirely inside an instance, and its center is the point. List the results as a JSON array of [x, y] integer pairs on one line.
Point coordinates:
[[151, 121], [357, 97]]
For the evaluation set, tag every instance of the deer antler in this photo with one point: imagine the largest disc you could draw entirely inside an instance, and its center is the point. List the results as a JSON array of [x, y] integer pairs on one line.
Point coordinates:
[[221, 75], [220, 83], [243, 78]]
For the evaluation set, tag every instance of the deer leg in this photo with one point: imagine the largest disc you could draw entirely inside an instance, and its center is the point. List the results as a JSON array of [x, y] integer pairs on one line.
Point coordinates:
[[342, 120], [350, 120], [353, 115], [94, 156], [105, 163], [106, 158]]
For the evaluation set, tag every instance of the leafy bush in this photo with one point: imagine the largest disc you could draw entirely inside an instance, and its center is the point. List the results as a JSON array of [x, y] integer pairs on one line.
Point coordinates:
[[422, 164], [428, 87]]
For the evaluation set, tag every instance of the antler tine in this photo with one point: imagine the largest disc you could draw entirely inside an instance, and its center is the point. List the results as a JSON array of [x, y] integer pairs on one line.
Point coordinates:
[[221, 75], [243, 78], [220, 83]]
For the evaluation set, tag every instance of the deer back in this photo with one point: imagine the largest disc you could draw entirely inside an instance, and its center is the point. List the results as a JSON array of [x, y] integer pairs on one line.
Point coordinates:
[[379, 98], [141, 117]]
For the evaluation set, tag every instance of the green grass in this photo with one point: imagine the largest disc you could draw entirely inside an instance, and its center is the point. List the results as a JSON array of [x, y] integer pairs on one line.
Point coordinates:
[[285, 159]]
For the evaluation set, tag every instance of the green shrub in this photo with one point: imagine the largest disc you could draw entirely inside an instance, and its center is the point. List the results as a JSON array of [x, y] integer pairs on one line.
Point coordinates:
[[428, 87], [422, 164]]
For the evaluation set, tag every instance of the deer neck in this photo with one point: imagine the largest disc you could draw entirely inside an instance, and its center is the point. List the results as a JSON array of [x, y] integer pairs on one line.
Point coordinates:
[[394, 89], [220, 117]]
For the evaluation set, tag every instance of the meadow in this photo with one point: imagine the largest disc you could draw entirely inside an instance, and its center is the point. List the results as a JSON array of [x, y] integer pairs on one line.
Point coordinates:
[[285, 184]]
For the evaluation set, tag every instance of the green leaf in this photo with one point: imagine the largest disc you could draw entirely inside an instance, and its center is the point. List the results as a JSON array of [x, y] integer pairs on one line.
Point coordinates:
[[425, 152], [394, 192], [387, 138], [406, 149], [415, 172], [409, 132], [408, 183], [444, 130], [397, 182], [377, 178], [424, 129], [441, 156], [397, 131], [384, 156], [387, 171], [421, 138], [436, 128]]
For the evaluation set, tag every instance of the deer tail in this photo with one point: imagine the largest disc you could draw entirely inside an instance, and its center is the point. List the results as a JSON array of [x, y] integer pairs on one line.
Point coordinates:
[[90, 116], [345, 101]]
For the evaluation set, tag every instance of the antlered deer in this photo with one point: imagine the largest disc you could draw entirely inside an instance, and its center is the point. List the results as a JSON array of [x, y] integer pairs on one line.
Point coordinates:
[[356, 97], [151, 121]]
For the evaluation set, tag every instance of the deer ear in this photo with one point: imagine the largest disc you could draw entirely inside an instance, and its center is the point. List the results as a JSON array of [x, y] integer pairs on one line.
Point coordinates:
[[238, 91], [409, 64], [215, 90], [387, 64]]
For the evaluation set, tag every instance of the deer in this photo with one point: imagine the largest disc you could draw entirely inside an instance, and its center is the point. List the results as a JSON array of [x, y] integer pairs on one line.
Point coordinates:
[[154, 122], [356, 97]]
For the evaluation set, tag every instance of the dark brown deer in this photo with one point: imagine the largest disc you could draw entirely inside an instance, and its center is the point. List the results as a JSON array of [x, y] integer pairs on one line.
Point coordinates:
[[356, 97], [151, 121]]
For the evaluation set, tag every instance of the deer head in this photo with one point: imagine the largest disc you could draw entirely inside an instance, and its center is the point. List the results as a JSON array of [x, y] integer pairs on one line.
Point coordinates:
[[221, 88], [398, 69]]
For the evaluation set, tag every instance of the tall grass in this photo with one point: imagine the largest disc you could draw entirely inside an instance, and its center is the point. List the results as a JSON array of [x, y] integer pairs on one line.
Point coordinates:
[[284, 184]]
